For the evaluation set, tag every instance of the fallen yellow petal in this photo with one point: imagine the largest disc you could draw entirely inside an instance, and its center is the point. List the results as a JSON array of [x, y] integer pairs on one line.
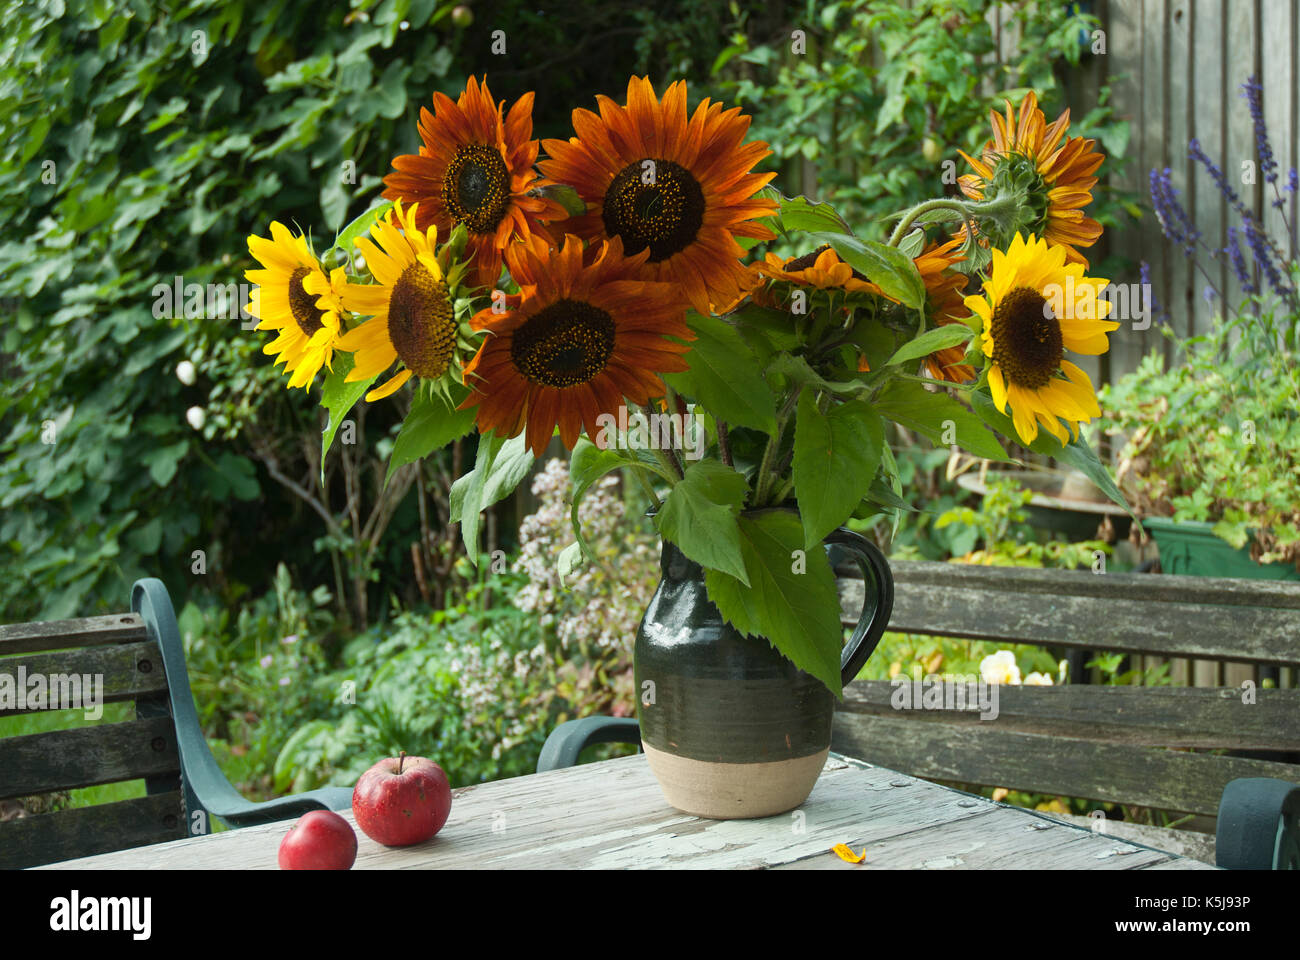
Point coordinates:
[[844, 852]]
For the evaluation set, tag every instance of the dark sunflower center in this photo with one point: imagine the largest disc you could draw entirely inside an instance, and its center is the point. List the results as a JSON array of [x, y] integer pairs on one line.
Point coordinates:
[[476, 187], [420, 322], [809, 259], [655, 204], [302, 304], [563, 345], [1027, 342]]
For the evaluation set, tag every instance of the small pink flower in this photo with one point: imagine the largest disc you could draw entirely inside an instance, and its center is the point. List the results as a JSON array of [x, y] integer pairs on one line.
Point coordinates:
[[292, 638], [266, 661], [284, 681]]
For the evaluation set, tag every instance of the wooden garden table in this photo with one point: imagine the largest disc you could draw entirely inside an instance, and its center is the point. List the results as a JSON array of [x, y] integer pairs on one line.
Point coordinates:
[[612, 815]]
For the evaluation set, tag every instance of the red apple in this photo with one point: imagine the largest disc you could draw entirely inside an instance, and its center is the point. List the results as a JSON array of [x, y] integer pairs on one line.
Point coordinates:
[[402, 800], [320, 840]]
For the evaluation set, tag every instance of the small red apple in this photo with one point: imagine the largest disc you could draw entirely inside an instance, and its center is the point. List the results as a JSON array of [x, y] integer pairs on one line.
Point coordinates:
[[320, 840], [402, 800]]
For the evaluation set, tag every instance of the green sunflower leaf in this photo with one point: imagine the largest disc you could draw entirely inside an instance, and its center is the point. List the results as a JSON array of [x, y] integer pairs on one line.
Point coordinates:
[[1077, 453], [809, 216], [587, 464], [434, 422], [360, 226], [939, 417], [498, 468], [948, 335], [836, 456], [791, 599], [699, 516], [338, 397], [725, 376], [887, 267]]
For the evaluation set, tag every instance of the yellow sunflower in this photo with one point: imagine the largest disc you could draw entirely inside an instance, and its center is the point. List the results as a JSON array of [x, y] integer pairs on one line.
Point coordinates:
[[476, 168], [1034, 307], [294, 296], [411, 307], [1028, 152], [580, 339], [680, 189]]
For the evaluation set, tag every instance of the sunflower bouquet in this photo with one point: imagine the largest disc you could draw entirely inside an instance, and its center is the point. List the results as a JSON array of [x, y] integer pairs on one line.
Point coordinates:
[[611, 293]]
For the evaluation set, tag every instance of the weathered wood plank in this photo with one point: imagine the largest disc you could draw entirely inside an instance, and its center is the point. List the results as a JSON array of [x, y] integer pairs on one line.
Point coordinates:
[[1209, 618], [984, 755], [124, 671], [1184, 843], [1209, 88], [1138, 716], [60, 634], [87, 756], [1242, 58], [1153, 587], [85, 831], [611, 814], [1184, 290]]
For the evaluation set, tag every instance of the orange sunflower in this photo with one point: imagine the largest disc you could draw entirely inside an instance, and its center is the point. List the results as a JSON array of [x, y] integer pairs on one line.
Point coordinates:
[[580, 338], [477, 169], [945, 304], [679, 189], [822, 269], [1027, 151]]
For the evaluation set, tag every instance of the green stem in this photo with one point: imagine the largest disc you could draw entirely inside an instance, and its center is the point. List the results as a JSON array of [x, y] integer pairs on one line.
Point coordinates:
[[640, 473], [909, 218], [765, 476], [937, 383]]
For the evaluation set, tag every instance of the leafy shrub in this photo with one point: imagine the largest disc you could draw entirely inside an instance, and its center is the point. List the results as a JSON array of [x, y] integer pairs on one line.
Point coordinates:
[[1215, 436]]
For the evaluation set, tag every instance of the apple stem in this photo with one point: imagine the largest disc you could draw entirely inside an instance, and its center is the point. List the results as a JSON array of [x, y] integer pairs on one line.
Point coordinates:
[[401, 759]]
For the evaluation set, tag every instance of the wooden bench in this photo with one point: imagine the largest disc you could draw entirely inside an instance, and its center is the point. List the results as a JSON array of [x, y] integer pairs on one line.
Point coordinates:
[[133, 657], [1144, 746]]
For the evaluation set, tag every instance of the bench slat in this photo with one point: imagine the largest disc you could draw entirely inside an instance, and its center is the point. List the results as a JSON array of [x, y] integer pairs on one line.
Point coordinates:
[[1139, 716], [1150, 587], [60, 634], [989, 756], [1204, 631], [128, 670], [86, 831], [88, 756]]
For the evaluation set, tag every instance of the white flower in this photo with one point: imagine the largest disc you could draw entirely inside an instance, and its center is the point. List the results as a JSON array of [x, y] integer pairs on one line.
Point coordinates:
[[1000, 667], [1038, 680], [185, 373], [195, 416]]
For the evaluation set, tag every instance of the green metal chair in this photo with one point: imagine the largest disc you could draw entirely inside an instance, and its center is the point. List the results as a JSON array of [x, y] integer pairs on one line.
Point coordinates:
[[204, 786]]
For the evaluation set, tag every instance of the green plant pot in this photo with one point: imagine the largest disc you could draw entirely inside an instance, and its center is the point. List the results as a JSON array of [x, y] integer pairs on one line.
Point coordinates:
[[1190, 548]]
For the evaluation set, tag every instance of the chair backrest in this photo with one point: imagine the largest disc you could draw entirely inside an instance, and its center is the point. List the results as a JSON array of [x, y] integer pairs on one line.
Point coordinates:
[[71, 665], [1100, 742]]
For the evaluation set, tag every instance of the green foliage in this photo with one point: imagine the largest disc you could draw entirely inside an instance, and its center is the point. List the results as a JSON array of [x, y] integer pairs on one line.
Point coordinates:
[[1215, 436], [877, 75]]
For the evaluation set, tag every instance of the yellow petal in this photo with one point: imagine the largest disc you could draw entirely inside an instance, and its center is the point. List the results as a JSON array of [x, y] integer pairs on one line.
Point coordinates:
[[390, 387], [845, 852]]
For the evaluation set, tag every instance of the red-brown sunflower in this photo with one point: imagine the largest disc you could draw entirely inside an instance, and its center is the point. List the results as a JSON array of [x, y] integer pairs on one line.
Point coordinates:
[[679, 189], [945, 303], [1026, 153], [580, 338], [476, 168]]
